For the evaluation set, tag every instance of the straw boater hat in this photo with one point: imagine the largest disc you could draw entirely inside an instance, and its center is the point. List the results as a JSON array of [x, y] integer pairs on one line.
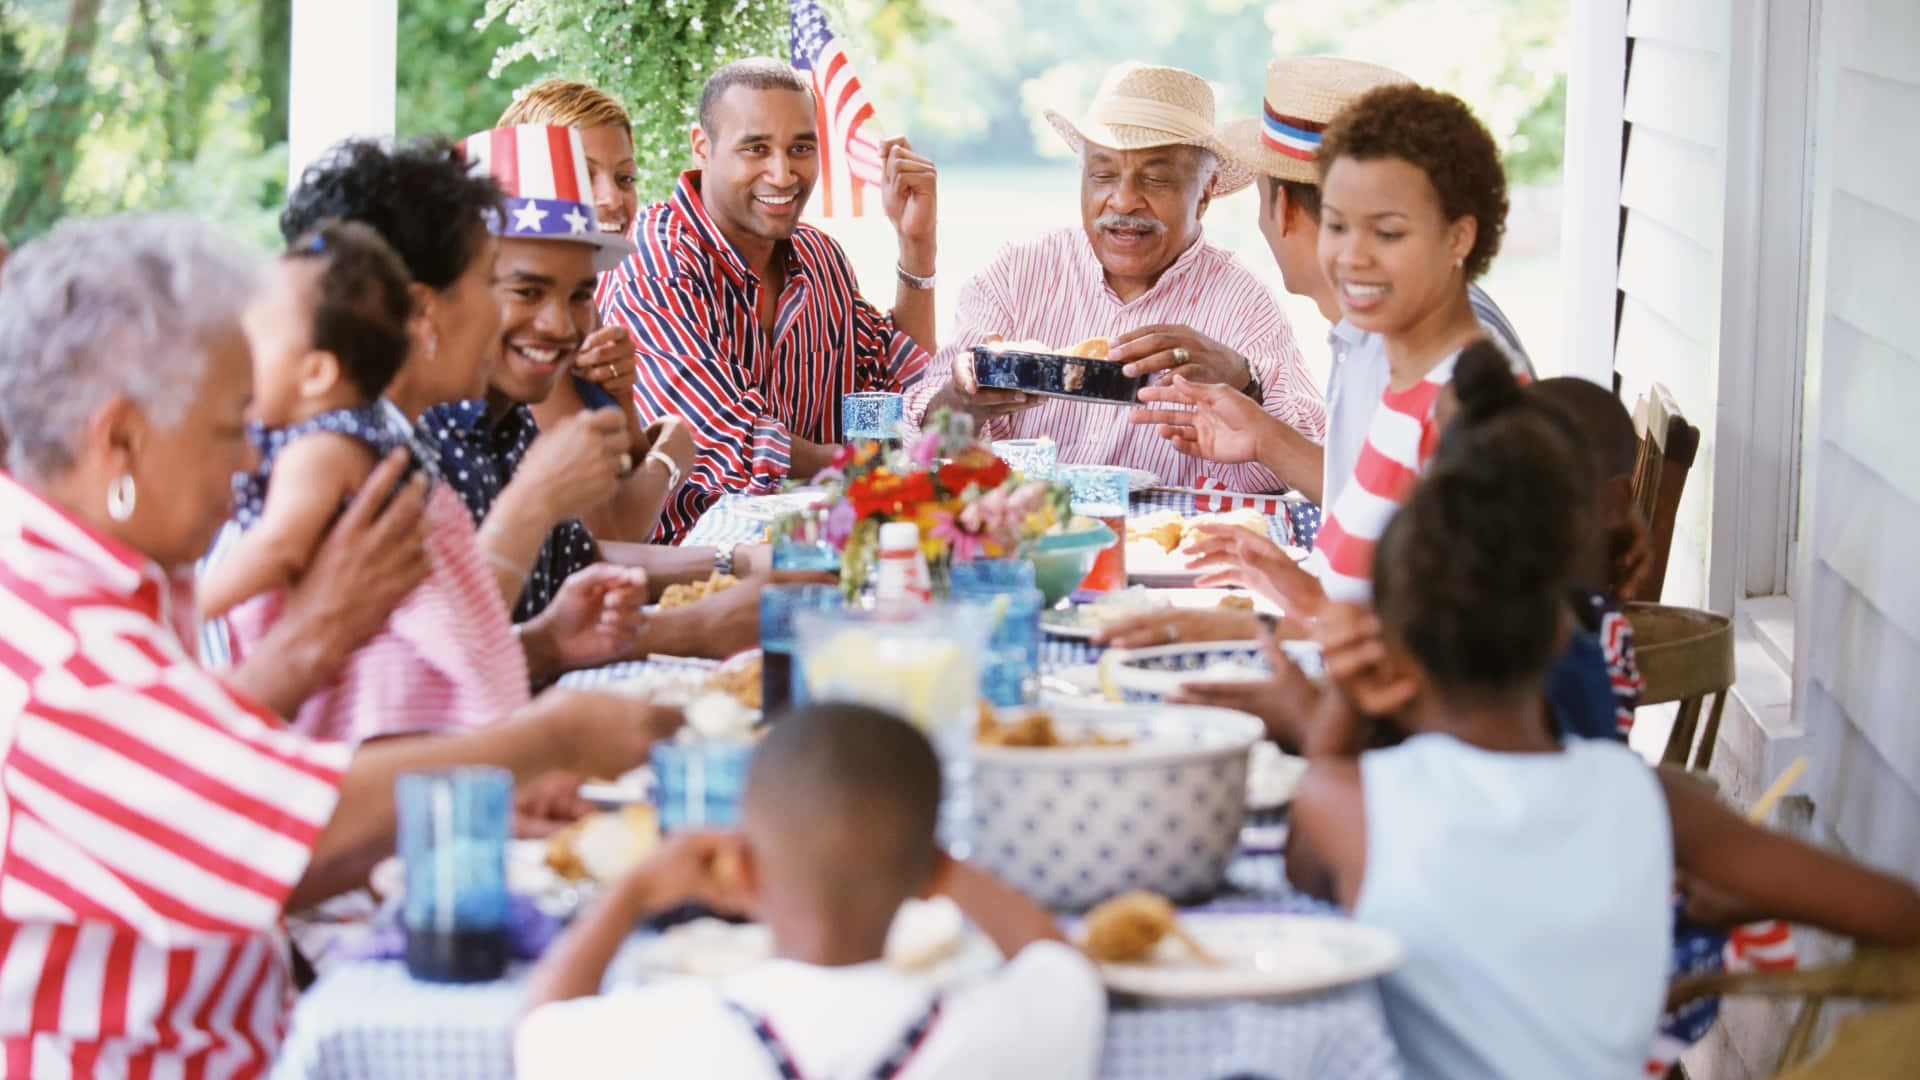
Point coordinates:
[[1304, 94], [1139, 106], [542, 170]]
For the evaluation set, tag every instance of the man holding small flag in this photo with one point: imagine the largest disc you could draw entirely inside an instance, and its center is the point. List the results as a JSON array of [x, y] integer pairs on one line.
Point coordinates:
[[747, 323]]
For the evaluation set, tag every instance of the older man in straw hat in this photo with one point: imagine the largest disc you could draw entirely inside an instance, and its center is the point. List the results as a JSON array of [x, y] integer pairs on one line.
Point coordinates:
[[1139, 272], [1303, 95]]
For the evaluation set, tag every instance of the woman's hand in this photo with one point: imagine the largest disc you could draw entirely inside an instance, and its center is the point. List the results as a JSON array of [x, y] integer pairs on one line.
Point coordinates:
[[1221, 423], [1232, 556], [1163, 626], [672, 437], [594, 618], [578, 464]]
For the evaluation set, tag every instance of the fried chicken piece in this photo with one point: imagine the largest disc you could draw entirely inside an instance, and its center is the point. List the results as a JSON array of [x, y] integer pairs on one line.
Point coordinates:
[[681, 595], [1236, 602], [1128, 928]]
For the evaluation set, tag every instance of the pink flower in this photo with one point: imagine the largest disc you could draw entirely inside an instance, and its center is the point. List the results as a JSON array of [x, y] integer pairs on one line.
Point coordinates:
[[926, 451], [965, 546]]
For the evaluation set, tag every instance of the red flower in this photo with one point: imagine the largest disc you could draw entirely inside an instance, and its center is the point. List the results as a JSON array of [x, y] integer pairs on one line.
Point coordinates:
[[975, 465], [881, 493]]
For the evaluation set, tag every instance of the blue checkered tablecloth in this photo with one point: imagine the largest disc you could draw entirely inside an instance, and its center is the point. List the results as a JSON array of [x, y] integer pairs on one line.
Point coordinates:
[[369, 1020], [724, 523]]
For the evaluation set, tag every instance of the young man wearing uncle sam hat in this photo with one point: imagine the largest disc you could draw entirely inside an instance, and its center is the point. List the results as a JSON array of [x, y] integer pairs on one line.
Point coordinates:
[[1304, 94]]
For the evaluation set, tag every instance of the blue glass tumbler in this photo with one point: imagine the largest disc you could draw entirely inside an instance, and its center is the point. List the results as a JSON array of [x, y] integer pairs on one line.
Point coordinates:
[[1010, 670], [872, 415], [1035, 459], [778, 639], [698, 783], [453, 839], [1102, 492]]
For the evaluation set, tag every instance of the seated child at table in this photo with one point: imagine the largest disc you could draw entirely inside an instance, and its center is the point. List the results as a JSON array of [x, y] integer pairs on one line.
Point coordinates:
[[837, 830], [1528, 877], [329, 333]]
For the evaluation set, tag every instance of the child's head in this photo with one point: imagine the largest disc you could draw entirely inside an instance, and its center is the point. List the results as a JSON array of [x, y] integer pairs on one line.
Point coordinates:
[[1610, 441], [1471, 575], [839, 817], [329, 329]]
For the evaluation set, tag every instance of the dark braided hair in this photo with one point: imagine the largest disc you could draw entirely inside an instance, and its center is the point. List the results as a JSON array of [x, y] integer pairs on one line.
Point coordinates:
[[1472, 573], [362, 304], [419, 197]]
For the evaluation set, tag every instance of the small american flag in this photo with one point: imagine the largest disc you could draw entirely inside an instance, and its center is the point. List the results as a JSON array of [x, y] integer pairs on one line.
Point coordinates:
[[850, 160]]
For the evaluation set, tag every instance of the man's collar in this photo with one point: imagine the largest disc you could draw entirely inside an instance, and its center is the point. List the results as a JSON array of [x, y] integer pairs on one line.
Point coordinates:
[[1175, 269], [687, 200]]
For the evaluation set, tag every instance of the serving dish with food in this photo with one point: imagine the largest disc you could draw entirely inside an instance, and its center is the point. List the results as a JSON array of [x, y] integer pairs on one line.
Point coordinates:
[[1078, 373], [1157, 673], [1160, 543], [1096, 799], [1082, 621], [1146, 948]]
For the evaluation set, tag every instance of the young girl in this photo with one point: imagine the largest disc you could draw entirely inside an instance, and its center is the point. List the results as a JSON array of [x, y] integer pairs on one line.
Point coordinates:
[[329, 333], [1536, 928]]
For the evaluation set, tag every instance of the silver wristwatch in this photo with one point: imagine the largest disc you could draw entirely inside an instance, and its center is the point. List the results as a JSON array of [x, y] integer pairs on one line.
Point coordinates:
[[723, 558]]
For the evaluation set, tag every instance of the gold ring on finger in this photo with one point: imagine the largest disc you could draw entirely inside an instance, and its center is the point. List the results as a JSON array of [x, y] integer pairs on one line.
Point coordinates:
[[1181, 355]]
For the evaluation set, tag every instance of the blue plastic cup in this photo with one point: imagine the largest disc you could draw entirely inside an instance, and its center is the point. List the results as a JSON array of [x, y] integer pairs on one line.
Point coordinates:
[[795, 554], [698, 784], [872, 414], [1035, 459], [779, 688], [453, 838], [1010, 670]]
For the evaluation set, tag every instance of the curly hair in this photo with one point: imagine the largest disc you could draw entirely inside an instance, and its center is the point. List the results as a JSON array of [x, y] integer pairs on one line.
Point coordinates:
[[419, 197], [1472, 574], [362, 304], [1438, 134], [565, 103]]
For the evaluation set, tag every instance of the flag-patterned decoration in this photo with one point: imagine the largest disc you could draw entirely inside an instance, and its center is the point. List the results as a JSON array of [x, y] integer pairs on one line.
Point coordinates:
[[543, 171], [850, 161]]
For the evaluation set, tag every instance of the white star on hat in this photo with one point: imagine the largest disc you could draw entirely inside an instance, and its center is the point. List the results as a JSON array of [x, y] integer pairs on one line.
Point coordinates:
[[575, 220], [528, 218]]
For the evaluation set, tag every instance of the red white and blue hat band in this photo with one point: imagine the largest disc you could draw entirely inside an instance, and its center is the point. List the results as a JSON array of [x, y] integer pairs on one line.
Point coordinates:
[[1289, 135], [542, 170]]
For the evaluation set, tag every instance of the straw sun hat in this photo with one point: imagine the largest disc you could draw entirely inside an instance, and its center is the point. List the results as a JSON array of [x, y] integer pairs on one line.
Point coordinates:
[[1304, 94], [1139, 106]]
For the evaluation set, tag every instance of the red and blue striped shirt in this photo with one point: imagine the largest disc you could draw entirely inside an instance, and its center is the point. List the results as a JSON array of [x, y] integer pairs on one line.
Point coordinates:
[[691, 304]]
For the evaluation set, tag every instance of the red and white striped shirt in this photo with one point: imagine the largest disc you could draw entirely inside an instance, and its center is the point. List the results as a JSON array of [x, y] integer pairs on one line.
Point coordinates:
[[691, 305], [1054, 289], [447, 659], [154, 822], [1400, 440]]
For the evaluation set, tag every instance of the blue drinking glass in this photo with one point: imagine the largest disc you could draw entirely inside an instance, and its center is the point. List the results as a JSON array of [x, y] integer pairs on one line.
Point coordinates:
[[871, 415], [1010, 670], [793, 553], [698, 784], [453, 838], [778, 639], [1035, 459]]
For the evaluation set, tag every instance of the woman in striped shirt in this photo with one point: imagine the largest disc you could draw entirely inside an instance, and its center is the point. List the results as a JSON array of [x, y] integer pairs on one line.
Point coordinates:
[[1413, 204], [157, 821]]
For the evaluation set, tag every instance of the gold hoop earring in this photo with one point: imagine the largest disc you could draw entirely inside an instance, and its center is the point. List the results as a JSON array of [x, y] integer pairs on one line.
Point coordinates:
[[120, 498]]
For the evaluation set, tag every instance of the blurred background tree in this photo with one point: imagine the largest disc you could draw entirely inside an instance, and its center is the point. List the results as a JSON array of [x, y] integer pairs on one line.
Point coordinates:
[[124, 104]]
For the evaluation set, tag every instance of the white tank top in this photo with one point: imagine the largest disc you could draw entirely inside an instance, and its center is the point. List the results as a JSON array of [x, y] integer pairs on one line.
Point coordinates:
[[1531, 891]]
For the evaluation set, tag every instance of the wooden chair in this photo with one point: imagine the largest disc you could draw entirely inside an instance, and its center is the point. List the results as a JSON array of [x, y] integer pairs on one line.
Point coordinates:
[[1884, 1042], [1667, 448], [1685, 656]]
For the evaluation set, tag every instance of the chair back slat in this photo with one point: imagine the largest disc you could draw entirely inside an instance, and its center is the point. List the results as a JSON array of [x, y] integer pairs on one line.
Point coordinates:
[[1686, 656], [1668, 445]]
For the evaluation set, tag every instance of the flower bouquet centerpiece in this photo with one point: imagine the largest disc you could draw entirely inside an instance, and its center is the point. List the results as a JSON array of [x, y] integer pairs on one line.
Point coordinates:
[[968, 503]]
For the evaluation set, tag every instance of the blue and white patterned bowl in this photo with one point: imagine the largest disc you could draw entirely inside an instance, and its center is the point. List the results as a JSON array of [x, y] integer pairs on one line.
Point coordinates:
[[1156, 673], [1075, 825]]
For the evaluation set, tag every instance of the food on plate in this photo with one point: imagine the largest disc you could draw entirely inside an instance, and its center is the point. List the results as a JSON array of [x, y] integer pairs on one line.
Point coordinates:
[[1093, 348], [1034, 730], [1236, 602], [681, 595], [1173, 532], [740, 681], [600, 847], [1129, 927]]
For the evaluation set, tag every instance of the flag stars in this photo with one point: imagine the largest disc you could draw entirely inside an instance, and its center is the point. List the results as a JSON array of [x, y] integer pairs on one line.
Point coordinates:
[[527, 217], [577, 222]]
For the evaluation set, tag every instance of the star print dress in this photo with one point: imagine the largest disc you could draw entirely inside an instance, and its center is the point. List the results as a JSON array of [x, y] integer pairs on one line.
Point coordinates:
[[447, 658]]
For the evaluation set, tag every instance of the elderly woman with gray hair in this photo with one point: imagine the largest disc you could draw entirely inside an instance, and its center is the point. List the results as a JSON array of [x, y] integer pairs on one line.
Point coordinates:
[[159, 820]]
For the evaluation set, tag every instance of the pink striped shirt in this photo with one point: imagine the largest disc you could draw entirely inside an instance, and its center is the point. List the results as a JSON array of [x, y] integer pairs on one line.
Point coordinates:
[[153, 821], [446, 660], [1054, 289]]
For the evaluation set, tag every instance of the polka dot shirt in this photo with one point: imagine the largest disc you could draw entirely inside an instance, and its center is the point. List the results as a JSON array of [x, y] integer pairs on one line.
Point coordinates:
[[478, 457]]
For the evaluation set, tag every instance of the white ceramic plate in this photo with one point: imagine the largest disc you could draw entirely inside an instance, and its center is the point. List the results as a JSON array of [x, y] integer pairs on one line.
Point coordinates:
[[769, 507], [1262, 955], [1141, 480], [1079, 621]]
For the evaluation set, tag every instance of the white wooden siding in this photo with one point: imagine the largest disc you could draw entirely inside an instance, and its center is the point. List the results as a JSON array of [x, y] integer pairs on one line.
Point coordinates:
[[1859, 642]]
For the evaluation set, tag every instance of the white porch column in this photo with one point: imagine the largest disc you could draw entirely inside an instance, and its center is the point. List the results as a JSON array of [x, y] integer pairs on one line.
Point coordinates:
[[1590, 216], [342, 75]]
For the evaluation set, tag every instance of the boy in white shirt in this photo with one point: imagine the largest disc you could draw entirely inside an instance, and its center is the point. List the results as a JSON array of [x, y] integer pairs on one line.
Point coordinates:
[[837, 830]]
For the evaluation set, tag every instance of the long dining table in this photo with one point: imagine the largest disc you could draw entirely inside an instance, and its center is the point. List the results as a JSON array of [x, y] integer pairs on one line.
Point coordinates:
[[368, 1019]]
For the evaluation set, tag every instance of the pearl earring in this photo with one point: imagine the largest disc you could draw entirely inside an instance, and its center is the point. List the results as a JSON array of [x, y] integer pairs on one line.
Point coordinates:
[[120, 498]]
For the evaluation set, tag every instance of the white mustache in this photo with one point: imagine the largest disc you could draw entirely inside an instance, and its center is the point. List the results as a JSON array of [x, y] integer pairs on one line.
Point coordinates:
[[1128, 221]]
